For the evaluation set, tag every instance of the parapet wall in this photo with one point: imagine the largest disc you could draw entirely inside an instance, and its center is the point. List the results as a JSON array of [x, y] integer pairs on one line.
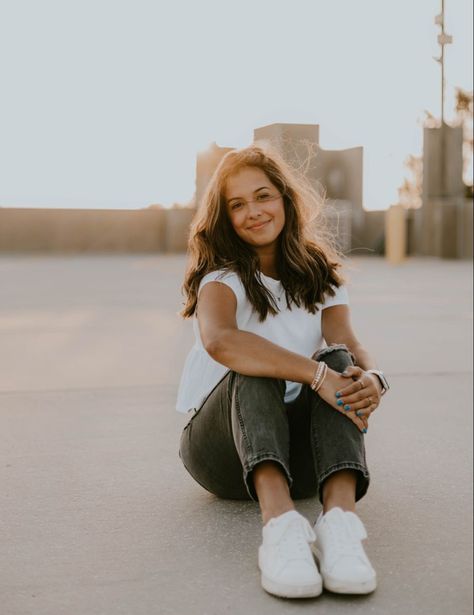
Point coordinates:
[[94, 230]]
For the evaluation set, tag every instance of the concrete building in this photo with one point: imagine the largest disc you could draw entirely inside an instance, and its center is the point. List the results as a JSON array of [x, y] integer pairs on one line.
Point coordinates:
[[339, 172], [443, 225], [206, 164]]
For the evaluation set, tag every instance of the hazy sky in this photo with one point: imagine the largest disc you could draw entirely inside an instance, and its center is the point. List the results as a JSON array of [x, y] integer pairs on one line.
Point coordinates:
[[104, 103]]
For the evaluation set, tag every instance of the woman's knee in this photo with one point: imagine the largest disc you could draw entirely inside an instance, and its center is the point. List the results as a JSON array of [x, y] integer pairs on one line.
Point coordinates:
[[336, 356], [258, 386]]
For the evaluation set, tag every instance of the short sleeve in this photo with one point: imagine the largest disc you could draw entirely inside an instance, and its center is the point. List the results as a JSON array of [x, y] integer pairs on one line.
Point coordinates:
[[341, 297], [229, 278]]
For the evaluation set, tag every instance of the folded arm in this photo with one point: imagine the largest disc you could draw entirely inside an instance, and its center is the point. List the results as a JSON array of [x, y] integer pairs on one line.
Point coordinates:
[[244, 352], [252, 355]]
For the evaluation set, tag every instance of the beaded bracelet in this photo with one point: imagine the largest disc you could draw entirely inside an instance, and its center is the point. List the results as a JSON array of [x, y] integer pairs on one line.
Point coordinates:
[[319, 376], [319, 382]]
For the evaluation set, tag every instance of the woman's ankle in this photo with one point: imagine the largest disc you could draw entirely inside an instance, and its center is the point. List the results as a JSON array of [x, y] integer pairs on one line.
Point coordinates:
[[273, 492], [339, 489], [275, 512], [345, 506]]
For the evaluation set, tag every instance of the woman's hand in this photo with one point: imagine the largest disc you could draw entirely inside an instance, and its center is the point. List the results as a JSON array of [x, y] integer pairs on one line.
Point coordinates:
[[363, 394], [334, 382]]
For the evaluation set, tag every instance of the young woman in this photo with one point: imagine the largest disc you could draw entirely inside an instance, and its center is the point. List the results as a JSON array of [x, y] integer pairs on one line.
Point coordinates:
[[280, 386]]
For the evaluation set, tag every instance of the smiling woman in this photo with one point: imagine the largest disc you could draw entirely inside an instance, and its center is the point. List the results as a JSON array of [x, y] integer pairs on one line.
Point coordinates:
[[258, 222], [279, 406], [252, 188]]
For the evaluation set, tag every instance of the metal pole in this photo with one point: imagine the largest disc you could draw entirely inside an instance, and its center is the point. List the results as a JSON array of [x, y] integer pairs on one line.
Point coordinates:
[[442, 64], [443, 39], [443, 132]]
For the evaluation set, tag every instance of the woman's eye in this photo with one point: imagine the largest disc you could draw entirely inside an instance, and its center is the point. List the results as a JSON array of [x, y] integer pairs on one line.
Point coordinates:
[[263, 197], [235, 205]]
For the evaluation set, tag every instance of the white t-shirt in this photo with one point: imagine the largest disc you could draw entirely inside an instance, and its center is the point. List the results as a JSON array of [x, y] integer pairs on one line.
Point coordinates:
[[297, 330]]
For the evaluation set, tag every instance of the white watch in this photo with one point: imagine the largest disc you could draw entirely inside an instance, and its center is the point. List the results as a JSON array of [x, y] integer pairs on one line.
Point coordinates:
[[381, 376]]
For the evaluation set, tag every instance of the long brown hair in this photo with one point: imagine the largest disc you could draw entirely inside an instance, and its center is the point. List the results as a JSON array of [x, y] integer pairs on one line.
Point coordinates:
[[307, 259]]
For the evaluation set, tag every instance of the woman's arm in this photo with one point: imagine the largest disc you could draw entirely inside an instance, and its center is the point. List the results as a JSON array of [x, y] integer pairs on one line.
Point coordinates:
[[363, 358], [337, 329], [244, 352], [253, 355]]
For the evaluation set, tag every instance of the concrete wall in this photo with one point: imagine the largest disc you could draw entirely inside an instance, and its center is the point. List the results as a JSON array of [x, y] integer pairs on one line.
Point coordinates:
[[372, 236], [443, 191], [338, 216], [465, 229], [340, 172], [396, 234], [298, 143], [90, 230], [177, 228], [413, 221], [206, 164], [452, 229]]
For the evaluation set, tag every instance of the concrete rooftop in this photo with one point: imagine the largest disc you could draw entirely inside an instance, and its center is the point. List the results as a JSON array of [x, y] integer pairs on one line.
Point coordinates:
[[98, 516]]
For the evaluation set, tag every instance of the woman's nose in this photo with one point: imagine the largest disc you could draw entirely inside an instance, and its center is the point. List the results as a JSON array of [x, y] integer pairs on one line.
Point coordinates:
[[253, 209]]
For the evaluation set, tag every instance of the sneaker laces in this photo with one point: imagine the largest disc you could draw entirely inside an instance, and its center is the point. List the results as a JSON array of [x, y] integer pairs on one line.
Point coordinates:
[[347, 536], [292, 539]]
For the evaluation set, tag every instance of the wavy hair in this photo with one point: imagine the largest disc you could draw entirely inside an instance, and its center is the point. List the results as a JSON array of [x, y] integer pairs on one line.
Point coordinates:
[[307, 259]]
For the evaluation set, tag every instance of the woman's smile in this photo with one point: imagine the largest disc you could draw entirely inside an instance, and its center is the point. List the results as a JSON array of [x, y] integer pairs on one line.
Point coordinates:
[[256, 210], [258, 226]]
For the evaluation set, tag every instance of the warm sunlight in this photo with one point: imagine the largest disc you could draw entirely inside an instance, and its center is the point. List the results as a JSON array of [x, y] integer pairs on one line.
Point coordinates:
[[119, 125]]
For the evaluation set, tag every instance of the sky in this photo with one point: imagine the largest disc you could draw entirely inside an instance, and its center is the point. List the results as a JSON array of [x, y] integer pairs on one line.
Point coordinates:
[[105, 103]]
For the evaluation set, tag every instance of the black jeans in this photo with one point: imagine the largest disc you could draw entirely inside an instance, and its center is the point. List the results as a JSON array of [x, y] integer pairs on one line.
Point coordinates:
[[245, 420]]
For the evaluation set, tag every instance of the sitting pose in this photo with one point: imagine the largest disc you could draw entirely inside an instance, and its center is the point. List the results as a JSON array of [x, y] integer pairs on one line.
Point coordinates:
[[280, 387]]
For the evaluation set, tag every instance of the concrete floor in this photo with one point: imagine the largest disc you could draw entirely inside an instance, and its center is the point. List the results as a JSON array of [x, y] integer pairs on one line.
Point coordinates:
[[98, 516]]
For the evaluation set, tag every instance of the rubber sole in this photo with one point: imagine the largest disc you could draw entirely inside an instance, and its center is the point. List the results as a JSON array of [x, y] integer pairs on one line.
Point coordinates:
[[344, 587], [290, 591], [347, 588]]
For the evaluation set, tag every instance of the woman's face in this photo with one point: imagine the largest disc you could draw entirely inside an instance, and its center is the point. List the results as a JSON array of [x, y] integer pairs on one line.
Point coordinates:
[[255, 207]]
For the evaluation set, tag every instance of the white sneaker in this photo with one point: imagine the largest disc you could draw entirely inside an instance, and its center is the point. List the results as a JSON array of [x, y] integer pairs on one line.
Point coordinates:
[[343, 563], [285, 558]]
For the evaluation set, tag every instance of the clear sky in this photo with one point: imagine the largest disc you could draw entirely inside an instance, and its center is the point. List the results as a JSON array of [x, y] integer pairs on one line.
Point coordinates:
[[104, 103]]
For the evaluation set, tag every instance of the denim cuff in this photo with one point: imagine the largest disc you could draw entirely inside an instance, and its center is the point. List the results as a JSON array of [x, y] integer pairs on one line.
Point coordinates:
[[363, 477], [248, 478], [324, 351]]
